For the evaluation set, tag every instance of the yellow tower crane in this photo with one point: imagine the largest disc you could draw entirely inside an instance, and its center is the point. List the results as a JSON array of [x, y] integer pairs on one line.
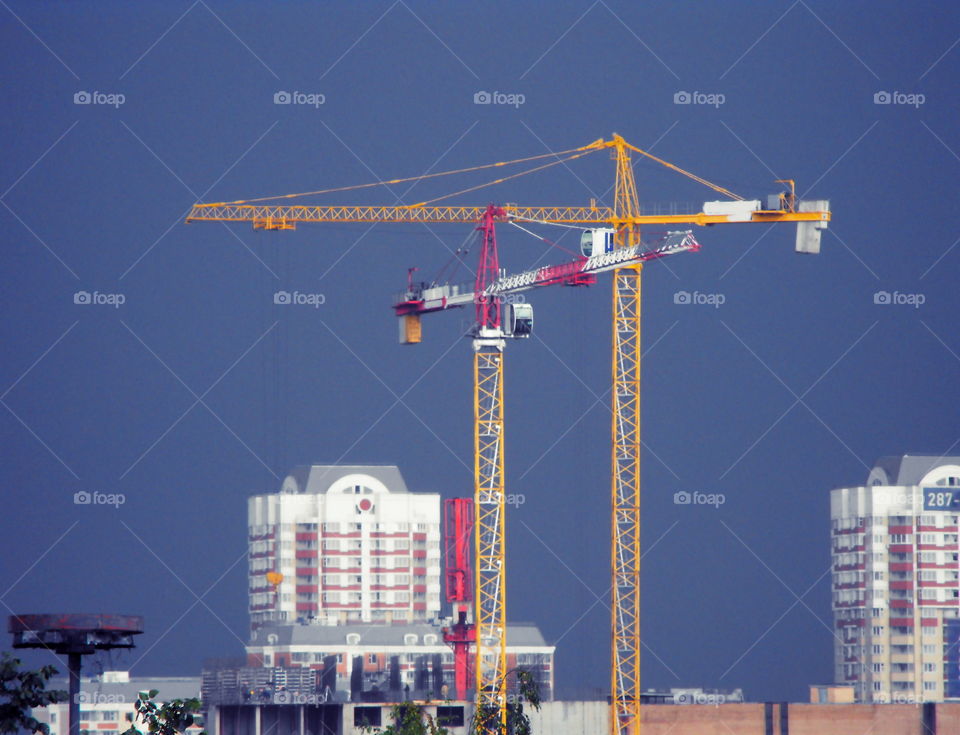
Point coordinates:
[[624, 254]]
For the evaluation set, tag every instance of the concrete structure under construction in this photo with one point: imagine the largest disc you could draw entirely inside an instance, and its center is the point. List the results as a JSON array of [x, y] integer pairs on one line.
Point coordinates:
[[377, 663], [591, 718], [896, 581]]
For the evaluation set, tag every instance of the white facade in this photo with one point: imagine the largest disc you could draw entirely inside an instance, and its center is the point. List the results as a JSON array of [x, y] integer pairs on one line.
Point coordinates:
[[353, 546], [896, 581]]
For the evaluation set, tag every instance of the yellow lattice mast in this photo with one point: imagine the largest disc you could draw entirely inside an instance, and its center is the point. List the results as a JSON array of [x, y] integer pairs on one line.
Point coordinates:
[[625, 462], [490, 659], [489, 499]]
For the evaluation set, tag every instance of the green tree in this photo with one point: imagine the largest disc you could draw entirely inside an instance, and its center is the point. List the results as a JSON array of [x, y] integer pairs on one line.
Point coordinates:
[[170, 718], [518, 721], [20, 691], [411, 719]]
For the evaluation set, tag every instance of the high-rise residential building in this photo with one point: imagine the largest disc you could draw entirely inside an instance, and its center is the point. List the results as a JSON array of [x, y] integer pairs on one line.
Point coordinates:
[[896, 581], [342, 545]]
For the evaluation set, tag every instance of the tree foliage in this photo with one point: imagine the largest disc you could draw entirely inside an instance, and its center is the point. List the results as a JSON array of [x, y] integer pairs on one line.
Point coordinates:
[[20, 691], [518, 721], [411, 719], [170, 718]]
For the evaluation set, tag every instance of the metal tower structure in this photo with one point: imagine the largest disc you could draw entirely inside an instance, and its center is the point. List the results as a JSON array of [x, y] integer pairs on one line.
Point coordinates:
[[626, 256]]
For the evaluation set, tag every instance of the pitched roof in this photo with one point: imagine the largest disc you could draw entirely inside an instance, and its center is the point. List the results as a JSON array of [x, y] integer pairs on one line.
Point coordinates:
[[317, 478], [96, 691], [908, 469]]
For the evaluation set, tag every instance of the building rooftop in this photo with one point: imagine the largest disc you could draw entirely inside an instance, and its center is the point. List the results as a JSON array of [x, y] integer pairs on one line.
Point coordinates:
[[908, 469], [518, 634], [319, 478], [122, 689]]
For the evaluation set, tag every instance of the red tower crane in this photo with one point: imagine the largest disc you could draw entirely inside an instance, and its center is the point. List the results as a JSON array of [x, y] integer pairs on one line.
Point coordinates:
[[457, 537]]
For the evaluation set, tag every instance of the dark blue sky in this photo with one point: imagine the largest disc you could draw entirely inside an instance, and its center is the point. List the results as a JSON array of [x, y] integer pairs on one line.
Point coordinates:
[[198, 391]]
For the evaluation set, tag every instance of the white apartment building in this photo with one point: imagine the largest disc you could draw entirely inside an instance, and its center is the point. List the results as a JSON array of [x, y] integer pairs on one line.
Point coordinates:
[[353, 545], [896, 581]]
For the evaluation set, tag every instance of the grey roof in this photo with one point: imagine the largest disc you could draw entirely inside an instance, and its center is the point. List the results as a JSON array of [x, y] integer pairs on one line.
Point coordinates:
[[317, 478], [908, 469], [518, 634], [169, 687]]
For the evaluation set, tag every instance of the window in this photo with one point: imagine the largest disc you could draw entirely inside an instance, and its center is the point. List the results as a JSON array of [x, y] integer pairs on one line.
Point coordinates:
[[371, 658], [877, 686], [929, 686], [877, 650], [930, 667], [877, 630], [450, 716], [366, 717], [878, 668]]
